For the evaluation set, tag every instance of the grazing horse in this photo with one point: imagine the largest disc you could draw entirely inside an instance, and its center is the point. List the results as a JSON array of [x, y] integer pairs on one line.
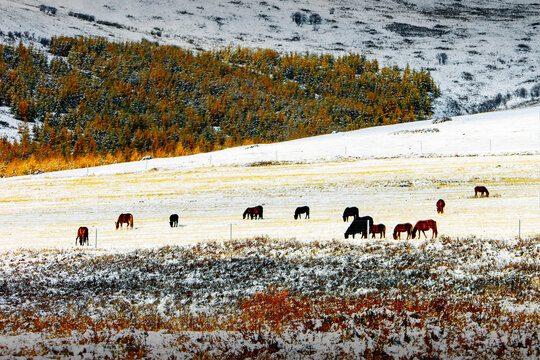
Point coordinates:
[[440, 206], [360, 225], [253, 212], [82, 236], [424, 225], [124, 219], [407, 227], [350, 211], [301, 210], [482, 190], [173, 220], [378, 229]]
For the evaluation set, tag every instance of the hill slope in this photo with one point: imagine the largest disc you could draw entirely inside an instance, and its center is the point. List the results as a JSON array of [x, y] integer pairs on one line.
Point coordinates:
[[482, 54], [468, 135]]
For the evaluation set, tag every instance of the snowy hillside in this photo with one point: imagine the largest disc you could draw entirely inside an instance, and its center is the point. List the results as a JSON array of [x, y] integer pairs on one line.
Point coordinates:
[[496, 133], [483, 54]]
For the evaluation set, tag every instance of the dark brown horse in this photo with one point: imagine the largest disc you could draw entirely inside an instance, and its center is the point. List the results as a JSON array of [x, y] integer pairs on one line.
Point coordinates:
[[407, 227], [378, 229], [82, 236], [255, 212], [173, 220], [440, 206], [124, 219], [301, 210], [424, 225], [482, 190], [350, 211]]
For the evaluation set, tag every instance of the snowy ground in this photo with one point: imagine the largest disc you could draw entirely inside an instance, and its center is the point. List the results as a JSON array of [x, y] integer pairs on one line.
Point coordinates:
[[380, 170], [283, 288]]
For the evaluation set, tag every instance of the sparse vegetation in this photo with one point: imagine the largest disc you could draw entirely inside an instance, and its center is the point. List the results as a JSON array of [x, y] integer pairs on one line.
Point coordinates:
[[260, 297]]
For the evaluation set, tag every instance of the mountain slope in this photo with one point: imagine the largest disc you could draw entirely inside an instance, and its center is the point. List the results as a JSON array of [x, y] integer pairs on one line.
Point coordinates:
[[482, 54], [469, 135]]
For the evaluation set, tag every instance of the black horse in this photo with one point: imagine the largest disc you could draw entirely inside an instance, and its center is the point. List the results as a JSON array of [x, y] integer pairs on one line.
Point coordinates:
[[301, 210], [350, 211], [360, 225], [253, 212], [173, 220]]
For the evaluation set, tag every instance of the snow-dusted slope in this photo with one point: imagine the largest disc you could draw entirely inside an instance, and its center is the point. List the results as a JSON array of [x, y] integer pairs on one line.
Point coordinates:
[[475, 49], [495, 133]]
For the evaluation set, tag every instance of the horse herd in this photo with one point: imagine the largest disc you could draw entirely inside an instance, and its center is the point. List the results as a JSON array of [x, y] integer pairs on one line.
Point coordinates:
[[361, 225]]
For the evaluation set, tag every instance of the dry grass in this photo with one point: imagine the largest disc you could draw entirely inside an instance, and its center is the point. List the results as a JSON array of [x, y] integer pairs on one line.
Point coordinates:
[[262, 298]]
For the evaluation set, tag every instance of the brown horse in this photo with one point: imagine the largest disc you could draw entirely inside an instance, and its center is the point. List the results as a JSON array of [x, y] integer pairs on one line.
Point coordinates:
[[482, 190], [440, 206], [378, 229], [253, 212], [424, 225], [407, 227], [124, 219], [82, 236]]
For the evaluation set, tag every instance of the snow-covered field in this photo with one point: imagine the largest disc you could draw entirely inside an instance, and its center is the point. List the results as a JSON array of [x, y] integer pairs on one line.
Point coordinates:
[[393, 173], [284, 288]]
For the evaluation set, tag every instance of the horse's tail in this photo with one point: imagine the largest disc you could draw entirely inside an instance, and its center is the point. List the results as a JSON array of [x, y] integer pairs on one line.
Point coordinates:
[[261, 212], [414, 232], [435, 232], [245, 214], [296, 214], [116, 224], [131, 221], [487, 192]]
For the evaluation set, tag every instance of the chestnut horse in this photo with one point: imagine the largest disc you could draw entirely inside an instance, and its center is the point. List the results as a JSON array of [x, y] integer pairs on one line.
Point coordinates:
[[440, 206], [253, 212], [350, 211], [424, 225], [407, 227], [378, 229], [482, 190], [301, 210], [124, 219], [82, 236]]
